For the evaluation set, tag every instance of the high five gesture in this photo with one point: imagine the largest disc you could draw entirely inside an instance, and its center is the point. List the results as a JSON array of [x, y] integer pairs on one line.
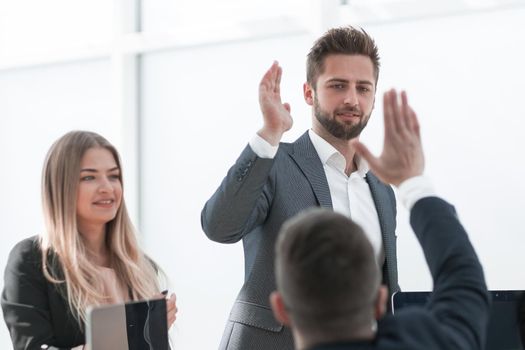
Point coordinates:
[[277, 118]]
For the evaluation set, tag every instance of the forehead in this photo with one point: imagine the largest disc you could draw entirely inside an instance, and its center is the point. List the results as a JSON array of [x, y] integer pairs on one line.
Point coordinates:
[[348, 67], [98, 157]]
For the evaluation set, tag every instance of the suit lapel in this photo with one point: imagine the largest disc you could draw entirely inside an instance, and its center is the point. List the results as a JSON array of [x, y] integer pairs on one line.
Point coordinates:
[[307, 159], [380, 200], [387, 222]]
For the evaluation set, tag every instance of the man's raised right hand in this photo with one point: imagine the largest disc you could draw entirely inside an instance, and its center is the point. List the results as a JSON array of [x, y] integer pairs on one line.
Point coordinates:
[[277, 118]]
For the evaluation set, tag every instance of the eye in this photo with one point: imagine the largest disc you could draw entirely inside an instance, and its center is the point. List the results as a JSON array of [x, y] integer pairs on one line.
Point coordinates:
[[363, 89], [114, 177], [337, 86], [87, 178]]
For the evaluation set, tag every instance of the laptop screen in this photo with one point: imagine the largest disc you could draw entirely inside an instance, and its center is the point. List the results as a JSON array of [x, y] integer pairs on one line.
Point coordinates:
[[503, 331], [140, 325]]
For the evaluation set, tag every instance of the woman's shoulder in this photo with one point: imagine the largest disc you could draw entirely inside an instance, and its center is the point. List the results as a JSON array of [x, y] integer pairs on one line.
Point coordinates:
[[27, 248], [25, 259]]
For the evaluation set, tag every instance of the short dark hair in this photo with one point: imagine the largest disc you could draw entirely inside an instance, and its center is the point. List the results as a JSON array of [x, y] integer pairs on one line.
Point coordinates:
[[326, 272], [343, 40]]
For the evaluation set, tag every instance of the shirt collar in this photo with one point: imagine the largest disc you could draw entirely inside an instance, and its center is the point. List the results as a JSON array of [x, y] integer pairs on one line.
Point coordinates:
[[327, 152]]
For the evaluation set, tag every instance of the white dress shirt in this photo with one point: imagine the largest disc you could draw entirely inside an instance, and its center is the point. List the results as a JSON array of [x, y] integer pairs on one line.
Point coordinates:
[[351, 195]]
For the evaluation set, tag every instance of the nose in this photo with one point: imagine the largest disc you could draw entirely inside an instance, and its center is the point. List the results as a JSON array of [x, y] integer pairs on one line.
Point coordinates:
[[105, 185], [351, 97]]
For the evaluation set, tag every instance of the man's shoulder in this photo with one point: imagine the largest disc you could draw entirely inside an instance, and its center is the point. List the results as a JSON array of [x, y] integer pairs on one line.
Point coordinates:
[[301, 144], [414, 328]]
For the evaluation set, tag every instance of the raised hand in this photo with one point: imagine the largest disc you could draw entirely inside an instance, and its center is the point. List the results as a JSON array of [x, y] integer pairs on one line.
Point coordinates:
[[402, 156], [277, 118]]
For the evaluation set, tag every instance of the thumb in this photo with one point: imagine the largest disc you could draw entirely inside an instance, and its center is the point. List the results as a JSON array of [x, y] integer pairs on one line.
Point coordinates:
[[363, 152]]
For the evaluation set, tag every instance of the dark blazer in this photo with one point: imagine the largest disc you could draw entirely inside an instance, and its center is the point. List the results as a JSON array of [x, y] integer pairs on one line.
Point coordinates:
[[457, 313], [35, 310], [254, 199]]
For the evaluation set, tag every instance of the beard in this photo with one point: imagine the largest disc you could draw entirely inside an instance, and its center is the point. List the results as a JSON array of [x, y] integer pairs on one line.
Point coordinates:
[[340, 130]]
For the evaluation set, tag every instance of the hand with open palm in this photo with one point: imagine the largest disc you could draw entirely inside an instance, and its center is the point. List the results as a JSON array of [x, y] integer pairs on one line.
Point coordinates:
[[402, 156], [276, 115]]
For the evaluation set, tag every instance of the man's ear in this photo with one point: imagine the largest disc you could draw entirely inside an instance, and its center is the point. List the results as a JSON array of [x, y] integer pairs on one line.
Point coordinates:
[[278, 308], [308, 93], [382, 299]]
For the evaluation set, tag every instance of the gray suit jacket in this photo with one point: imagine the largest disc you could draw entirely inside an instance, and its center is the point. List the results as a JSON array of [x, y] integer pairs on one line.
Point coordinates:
[[251, 204]]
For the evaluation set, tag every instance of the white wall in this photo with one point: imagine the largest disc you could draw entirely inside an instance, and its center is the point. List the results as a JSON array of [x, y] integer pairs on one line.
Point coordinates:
[[464, 76]]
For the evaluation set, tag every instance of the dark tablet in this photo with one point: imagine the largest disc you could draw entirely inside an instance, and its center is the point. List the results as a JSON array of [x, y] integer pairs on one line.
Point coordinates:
[[131, 326], [506, 316]]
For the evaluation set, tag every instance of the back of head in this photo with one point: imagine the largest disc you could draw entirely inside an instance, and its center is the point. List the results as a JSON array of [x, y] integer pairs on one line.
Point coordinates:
[[327, 274], [344, 40]]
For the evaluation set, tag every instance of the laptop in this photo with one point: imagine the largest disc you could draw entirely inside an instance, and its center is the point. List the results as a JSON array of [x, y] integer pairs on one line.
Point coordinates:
[[503, 331], [138, 325]]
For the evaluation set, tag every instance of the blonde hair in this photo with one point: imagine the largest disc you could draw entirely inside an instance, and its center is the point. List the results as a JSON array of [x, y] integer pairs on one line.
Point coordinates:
[[84, 287]]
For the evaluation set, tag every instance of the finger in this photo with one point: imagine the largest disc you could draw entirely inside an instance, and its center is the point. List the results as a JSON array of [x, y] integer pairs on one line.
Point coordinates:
[[171, 303], [171, 321], [278, 75], [172, 316], [286, 106], [413, 120], [266, 80], [395, 110], [405, 114], [171, 306], [388, 115], [172, 309], [264, 85]]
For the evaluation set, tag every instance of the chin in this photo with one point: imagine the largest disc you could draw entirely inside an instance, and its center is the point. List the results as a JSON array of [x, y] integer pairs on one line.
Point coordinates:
[[106, 218]]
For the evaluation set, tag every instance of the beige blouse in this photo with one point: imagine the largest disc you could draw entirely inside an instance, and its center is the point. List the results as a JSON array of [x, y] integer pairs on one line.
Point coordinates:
[[117, 291], [113, 287]]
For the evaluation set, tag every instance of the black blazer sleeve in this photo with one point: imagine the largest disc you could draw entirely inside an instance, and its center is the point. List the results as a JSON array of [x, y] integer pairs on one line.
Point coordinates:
[[26, 302], [460, 302]]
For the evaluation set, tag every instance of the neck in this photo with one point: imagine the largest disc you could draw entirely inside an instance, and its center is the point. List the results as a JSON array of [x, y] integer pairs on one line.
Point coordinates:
[[342, 146], [308, 340], [94, 237]]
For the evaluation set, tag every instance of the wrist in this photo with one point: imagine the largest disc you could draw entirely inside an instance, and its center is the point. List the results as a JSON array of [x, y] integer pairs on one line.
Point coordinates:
[[272, 136], [413, 189]]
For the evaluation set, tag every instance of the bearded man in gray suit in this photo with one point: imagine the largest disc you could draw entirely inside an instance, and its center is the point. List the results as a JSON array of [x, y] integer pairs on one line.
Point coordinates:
[[272, 181]]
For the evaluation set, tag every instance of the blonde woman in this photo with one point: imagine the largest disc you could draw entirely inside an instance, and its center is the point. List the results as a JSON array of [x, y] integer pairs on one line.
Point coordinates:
[[88, 255]]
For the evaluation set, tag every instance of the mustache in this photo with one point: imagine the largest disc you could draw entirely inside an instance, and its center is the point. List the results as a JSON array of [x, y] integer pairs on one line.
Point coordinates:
[[347, 110]]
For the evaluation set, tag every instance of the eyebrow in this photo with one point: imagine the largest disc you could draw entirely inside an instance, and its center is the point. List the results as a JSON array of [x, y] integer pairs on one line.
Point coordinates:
[[339, 80], [89, 170]]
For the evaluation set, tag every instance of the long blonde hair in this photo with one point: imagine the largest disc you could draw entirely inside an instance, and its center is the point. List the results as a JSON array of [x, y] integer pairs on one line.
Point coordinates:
[[84, 287]]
